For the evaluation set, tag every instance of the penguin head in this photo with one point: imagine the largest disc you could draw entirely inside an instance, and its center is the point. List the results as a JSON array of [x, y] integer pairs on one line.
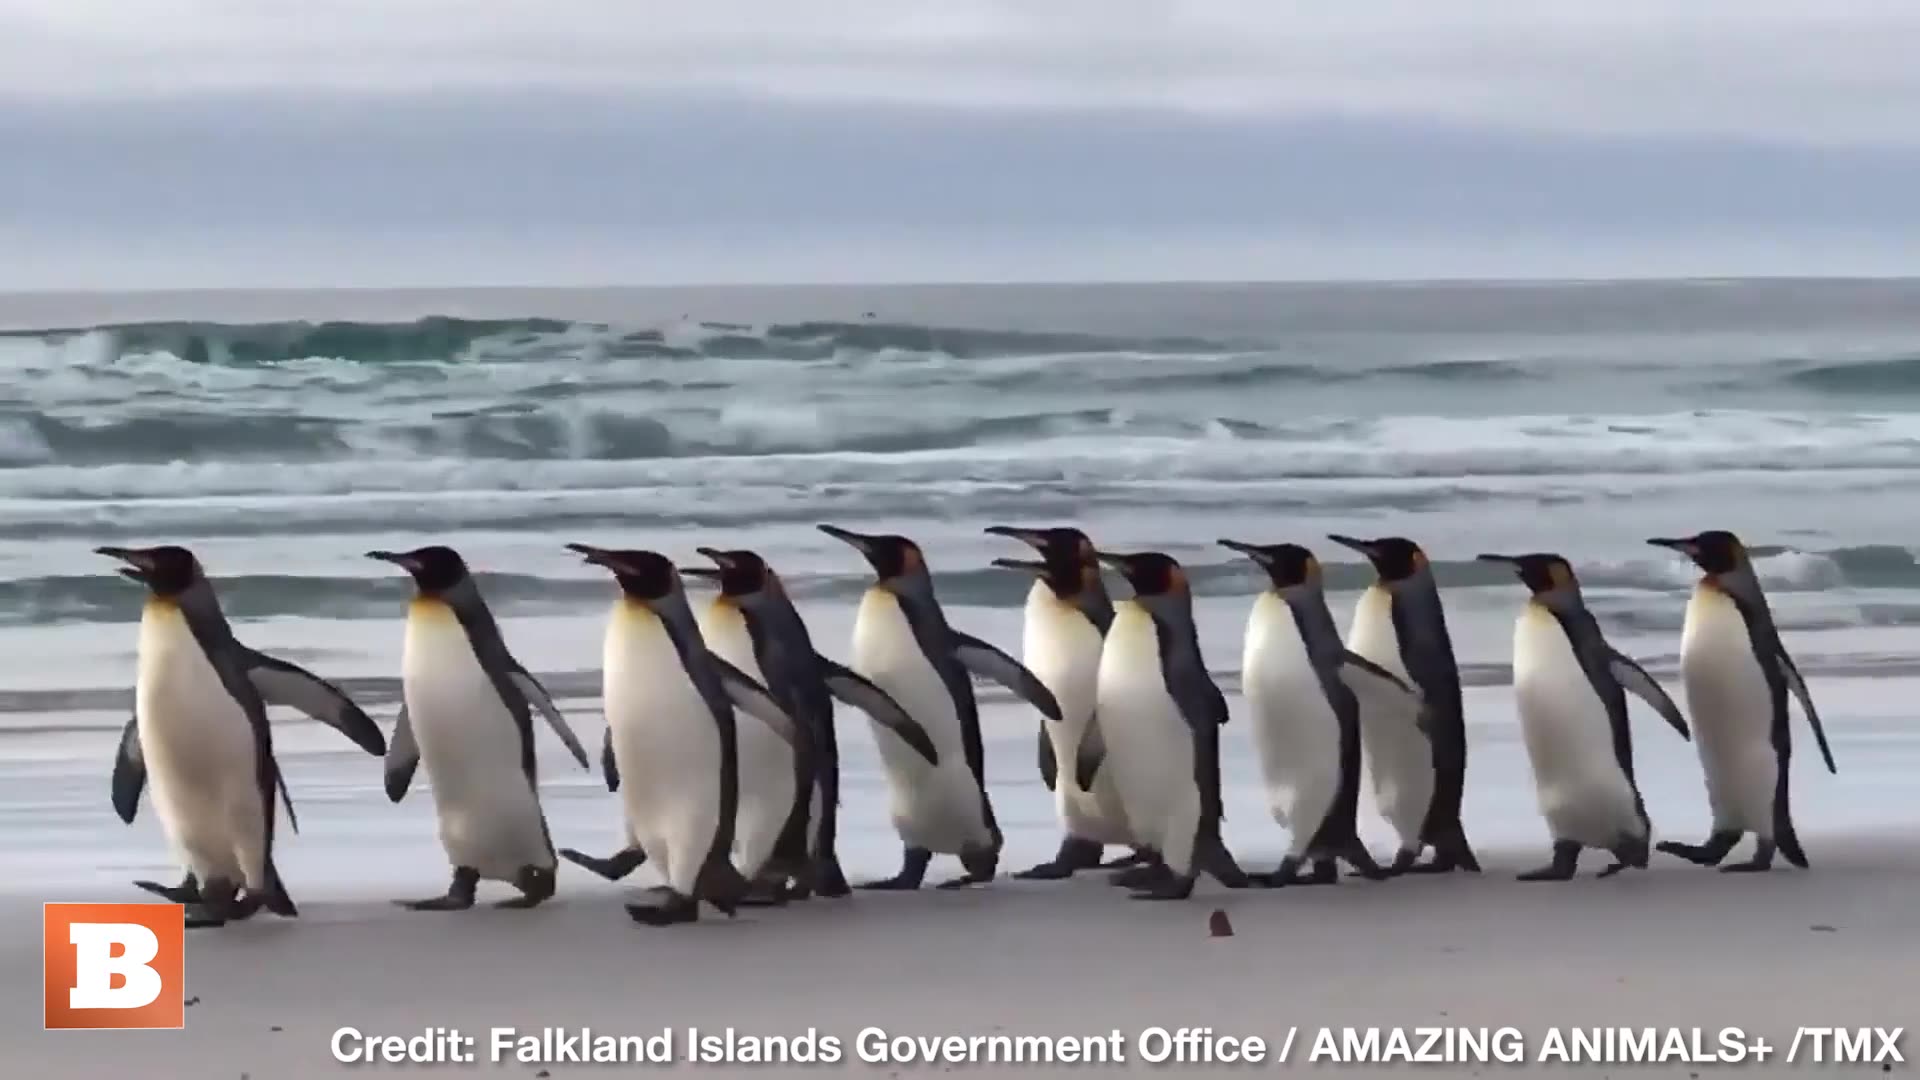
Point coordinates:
[[435, 569], [1067, 563], [166, 571], [1548, 576], [646, 576], [1287, 565], [896, 560], [1394, 558], [742, 575], [1716, 551], [1158, 580]]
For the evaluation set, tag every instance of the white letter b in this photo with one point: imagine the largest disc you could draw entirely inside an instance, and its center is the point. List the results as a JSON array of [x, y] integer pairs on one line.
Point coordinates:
[[95, 965]]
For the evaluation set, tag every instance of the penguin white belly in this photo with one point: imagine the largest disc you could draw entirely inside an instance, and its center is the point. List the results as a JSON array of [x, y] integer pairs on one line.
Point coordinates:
[[1062, 649], [1732, 711], [1149, 743], [470, 747], [1399, 759], [1582, 791], [1295, 730], [666, 744], [766, 761], [934, 807], [200, 754]]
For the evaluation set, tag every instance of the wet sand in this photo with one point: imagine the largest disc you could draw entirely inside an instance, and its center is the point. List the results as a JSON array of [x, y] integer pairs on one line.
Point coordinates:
[[1674, 946]]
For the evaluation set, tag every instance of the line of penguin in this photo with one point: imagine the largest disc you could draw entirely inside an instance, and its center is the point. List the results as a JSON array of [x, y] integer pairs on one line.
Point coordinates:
[[720, 738]]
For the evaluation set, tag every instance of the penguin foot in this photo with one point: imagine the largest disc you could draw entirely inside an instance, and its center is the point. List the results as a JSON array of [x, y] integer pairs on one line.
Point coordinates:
[[1141, 876], [828, 879], [535, 885], [913, 870], [1074, 855], [1611, 870], [1287, 873], [1325, 872], [764, 894], [965, 880], [1403, 861], [1046, 871], [1174, 888], [1566, 860], [677, 909], [1361, 860], [459, 895], [198, 917], [215, 906], [619, 865], [1707, 854], [187, 892], [1761, 862], [1135, 858]]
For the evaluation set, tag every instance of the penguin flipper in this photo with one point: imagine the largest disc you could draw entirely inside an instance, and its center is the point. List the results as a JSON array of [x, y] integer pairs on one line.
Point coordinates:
[[1635, 680], [753, 699], [1380, 689], [1090, 754], [281, 683], [403, 756], [538, 697], [1799, 687], [608, 766], [991, 663], [129, 772], [854, 689], [286, 797], [1049, 767]]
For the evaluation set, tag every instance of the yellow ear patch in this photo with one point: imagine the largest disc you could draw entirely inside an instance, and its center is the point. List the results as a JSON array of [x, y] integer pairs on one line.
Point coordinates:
[[1419, 559], [1312, 569], [911, 559], [1559, 574], [1176, 579]]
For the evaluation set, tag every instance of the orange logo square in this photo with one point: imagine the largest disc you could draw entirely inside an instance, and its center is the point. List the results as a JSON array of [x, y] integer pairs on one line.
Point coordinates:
[[116, 965]]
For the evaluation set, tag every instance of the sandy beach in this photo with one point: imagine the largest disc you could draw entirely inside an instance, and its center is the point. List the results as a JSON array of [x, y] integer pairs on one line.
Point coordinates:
[[1675, 946]]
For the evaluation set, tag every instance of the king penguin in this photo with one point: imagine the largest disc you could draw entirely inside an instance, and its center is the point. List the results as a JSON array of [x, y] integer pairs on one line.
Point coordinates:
[[904, 645], [1418, 778], [672, 747], [1304, 689], [1737, 676], [1156, 726], [753, 625], [466, 711], [200, 729], [1571, 689], [1067, 615]]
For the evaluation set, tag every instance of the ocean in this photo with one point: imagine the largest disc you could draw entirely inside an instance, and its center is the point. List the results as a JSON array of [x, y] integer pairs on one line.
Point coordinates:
[[283, 434]]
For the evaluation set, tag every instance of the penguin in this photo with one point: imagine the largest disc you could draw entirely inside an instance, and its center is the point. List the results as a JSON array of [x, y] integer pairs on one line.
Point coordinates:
[[466, 712], [200, 729], [1737, 676], [904, 645], [753, 625], [1418, 778], [1304, 689], [1156, 727], [1571, 690], [1067, 615], [672, 746]]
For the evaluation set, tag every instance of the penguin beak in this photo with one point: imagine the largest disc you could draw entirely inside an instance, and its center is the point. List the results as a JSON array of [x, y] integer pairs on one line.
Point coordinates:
[[396, 558], [1684, 546], [1364, 547], [719, 557], [139, 563], [1118, 562], [1509, 559], [1033, 538], [1031, 566], [596, 556], [704, 573], [864, 544], [1251, 551]]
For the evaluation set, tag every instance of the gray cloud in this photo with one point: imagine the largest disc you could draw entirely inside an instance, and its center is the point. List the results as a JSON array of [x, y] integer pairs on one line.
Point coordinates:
[[238, 142], [1792, 70]]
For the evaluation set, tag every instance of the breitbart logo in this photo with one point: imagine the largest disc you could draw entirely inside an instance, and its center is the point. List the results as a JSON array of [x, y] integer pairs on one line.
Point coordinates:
[[116, 965]]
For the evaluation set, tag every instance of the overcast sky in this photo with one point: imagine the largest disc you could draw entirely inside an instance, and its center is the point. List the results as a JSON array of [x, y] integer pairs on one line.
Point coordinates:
[[381, 142]]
